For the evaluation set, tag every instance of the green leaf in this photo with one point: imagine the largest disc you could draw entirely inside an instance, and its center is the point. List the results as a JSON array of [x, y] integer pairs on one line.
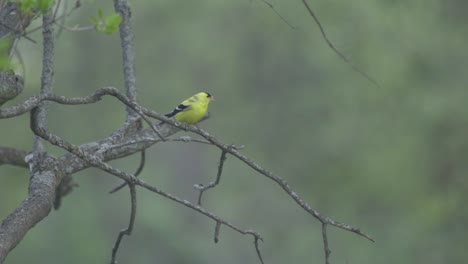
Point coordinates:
[[112, 23], [44, 4], [100, 14], [27, 6], [93, 20]]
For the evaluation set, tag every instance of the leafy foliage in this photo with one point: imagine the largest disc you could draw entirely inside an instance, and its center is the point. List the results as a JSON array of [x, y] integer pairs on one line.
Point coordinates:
[[108, 25], [31, 7]]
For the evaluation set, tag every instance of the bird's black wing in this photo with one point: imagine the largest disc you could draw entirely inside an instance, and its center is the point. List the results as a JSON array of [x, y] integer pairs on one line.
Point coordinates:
[[176, 110]]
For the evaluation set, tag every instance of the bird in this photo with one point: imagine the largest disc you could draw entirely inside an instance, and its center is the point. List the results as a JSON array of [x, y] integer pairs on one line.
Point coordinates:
[[193, 109], [190, 111]]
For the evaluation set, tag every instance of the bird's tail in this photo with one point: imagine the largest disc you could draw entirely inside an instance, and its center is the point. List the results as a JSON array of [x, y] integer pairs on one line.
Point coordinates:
[[171, 114], [176, 110]]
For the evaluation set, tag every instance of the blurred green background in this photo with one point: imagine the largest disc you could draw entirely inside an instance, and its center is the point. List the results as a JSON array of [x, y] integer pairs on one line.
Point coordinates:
[[390, 160]]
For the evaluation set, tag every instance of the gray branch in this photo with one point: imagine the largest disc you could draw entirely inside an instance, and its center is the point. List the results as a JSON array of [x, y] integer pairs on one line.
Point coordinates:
[[131, 223], [129, 140], [202, 188], [12, 156], [36, 207], [96, 161], [11, 85], [128, 52], [45, 175], [47, 77]]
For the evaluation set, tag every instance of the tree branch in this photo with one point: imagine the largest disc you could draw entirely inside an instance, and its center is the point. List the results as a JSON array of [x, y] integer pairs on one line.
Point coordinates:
[[281, 182], [12, 156], [272, 7], [133, 142], [128, 53], [137, 172], [45, 174], [332, 47], [258, 168], [170, 127], [97, 162], [36, 101], [47, 77], [128, 230], [326, 249], [202, 188]]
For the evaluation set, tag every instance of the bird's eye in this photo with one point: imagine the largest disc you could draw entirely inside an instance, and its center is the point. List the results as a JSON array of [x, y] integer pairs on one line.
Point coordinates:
[[208, 95]]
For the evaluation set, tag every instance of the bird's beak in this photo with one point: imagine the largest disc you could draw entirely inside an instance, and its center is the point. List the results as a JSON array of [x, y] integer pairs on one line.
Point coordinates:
[[212, 98]]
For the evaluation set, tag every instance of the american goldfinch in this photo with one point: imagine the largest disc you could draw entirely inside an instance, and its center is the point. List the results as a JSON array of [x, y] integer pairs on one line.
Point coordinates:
[[193, 109]]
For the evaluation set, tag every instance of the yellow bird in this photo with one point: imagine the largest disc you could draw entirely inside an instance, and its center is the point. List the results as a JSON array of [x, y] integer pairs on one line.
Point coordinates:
[[193, 109]]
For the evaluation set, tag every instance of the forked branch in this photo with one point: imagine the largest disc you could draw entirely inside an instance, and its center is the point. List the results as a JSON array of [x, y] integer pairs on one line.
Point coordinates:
[[201, 188], [131, 223], [95, 161]]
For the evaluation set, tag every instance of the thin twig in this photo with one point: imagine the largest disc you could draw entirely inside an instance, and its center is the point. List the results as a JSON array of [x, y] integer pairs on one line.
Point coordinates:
[[34, 101], [330, 44], [199, 187], [281, 182], [197, 208], [257, 248], [137, 172], [278, 14], [202, 188], [74, 29], [57, 6], [129, 229], [185, 139], [65, 7], [326, 249], [65, 187], [16, 31], [216, 234]]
